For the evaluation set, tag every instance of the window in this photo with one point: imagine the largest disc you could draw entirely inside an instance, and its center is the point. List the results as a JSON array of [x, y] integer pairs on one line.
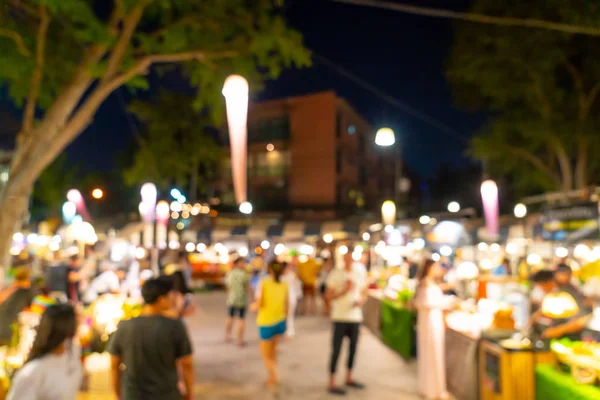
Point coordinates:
[[269, 130], [269, 164]]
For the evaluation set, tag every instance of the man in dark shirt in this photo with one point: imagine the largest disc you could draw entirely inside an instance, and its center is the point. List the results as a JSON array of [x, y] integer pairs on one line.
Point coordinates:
[[151, 347]]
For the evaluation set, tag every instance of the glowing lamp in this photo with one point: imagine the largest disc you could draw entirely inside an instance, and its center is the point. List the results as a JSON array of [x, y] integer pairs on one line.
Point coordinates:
[[388, 212], [435, 257], [69, 210], [559, 305], [235, 90], [534, 259], [97, 193], [279, 249], [366, 236], [75, 196], [467, 271], [419, 243], [162, 211], [561, 252], [446, 251], [424, 220], [520, 210], [453, 207], [343, 250], [243, 251], [581, 251], [265, 244], [489, 195], [246, 207], [306, 249], [385, 137], [328, 238]]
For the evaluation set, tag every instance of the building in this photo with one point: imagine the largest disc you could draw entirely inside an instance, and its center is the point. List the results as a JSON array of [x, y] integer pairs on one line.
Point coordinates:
[[313, 154]]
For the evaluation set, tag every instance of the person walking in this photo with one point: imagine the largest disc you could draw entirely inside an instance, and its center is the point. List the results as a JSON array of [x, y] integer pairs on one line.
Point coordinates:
[[431, 364], [237, 282], [53, 370], [151, 347], [347, 291], [323, 275], [294, 295], [272, 306]]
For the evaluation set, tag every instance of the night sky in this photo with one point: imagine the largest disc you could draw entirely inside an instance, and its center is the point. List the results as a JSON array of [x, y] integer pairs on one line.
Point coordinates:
[[402, 55]]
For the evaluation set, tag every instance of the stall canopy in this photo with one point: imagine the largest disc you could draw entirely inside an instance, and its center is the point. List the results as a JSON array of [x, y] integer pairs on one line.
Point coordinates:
[[289, 230]]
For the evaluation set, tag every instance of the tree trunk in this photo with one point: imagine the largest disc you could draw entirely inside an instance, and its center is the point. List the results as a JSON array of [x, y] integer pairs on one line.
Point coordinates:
[[194, 185], [13, 206], [581, 168]]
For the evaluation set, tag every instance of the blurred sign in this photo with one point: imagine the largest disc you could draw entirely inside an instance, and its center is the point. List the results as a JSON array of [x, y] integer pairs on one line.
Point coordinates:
[[571, 223]]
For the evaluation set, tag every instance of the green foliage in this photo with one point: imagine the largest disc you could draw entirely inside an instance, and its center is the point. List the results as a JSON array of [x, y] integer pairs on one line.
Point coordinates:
[[52, 186], [228, 36], [541, 90], [176, 142]]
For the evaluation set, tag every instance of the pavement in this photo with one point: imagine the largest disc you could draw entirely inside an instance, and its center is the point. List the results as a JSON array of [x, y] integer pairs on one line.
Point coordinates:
[[227, 372]]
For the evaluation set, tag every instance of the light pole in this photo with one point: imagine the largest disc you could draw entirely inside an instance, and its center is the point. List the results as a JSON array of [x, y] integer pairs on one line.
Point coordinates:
[[386, 137], [520, 212]]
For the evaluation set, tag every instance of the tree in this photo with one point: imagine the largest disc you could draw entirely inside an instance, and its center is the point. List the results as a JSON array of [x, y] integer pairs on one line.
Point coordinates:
[[51, 188], [61, 59], [177, 145], [541, 88]]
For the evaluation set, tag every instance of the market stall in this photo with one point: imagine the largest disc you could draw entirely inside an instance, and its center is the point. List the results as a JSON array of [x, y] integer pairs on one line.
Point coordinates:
[[397, 327], [372, 312], [552, 384]]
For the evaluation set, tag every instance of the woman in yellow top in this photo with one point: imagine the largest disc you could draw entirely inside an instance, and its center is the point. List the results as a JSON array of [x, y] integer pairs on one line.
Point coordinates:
[[272, 305]]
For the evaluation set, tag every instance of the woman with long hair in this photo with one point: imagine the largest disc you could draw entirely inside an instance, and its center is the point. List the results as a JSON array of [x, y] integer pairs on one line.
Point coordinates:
[[272, 303], [429, 302], [53, 370], [183, 299]]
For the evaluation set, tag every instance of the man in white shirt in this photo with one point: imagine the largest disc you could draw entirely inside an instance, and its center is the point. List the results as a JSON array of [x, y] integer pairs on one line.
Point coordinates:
[[347, 291], [107, 282]]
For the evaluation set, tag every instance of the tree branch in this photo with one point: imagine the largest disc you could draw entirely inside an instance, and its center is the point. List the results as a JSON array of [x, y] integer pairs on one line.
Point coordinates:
[[129, 26], [534, 161], [17, 39], [38, 71], [578, 81]]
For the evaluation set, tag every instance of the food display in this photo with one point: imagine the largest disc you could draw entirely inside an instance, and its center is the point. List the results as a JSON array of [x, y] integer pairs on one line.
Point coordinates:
[[400, 289], [582, 358]]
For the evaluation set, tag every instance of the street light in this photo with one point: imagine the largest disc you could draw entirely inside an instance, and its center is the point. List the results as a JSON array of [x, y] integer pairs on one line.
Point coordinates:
[[246, 208], [388, 212], [453, 207], [385, 137], [425, 219], [520, 210], [97, 193]]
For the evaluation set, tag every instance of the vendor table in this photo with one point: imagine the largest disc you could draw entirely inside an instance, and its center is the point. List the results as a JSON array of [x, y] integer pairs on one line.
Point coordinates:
[[461, 365], [508, 374], [552, 384], [397, 327], [372, 312]]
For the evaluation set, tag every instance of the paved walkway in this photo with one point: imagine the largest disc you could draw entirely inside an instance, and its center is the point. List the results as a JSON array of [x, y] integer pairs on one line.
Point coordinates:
[[226, 372]]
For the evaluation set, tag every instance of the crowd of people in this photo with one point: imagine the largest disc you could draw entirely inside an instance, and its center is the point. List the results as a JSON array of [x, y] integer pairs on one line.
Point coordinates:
[[154, 346], [151, 354]]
